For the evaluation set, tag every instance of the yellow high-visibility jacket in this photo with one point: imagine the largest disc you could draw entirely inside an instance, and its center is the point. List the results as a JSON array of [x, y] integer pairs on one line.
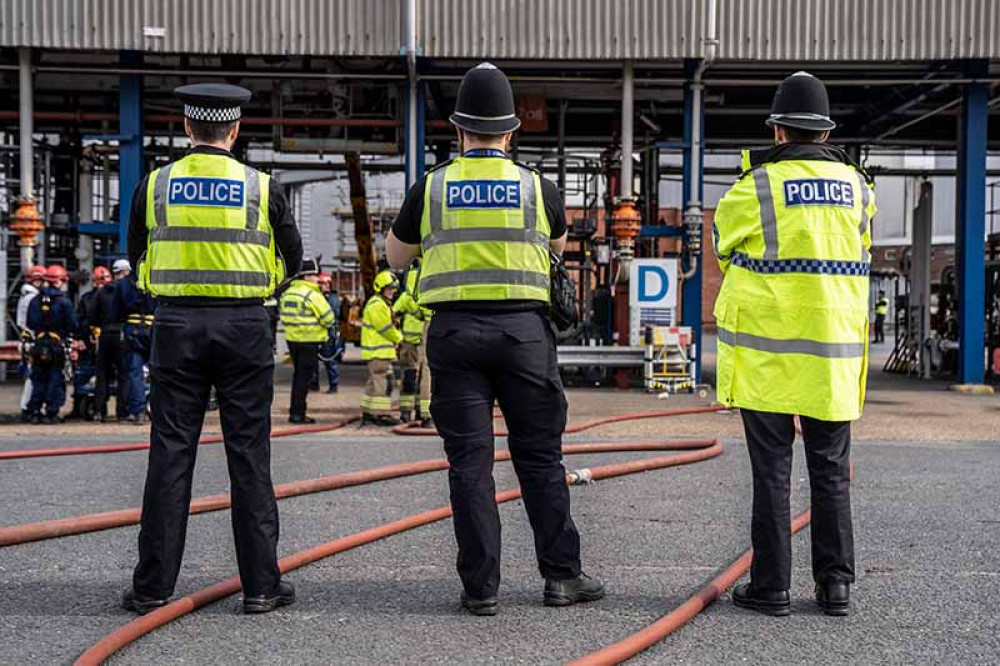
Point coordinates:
[[793, 237], [305, 313], [379, 335]]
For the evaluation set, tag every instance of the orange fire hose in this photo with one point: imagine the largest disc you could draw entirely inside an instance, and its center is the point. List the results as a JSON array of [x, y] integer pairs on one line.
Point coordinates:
[[139, 446], [694, 451]]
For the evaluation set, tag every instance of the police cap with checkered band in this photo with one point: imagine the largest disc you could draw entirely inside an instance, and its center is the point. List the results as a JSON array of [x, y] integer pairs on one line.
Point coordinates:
[[212, 102]]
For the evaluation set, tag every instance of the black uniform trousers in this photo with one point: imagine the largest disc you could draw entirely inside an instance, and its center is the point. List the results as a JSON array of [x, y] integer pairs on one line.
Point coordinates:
[[879, 328], [110, 352], [477, 359], [828, 450], [194, 349], [305, 361]]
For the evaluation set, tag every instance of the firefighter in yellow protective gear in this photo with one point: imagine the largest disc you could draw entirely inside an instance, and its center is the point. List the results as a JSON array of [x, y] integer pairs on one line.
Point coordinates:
[[793, 237], [415, 394], [379, 340]]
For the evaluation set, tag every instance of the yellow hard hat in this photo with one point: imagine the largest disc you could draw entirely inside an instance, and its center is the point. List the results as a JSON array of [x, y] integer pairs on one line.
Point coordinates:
[[385, 279]]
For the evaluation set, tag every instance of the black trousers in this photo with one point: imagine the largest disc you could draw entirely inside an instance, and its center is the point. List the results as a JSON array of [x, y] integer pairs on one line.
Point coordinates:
[[194, 349], [879, 328], [828, 450], [508, 358], [110, 367], [305, 360]]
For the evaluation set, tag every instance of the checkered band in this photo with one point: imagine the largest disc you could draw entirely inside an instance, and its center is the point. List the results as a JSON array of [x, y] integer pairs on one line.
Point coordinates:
[[814, 266], [212, 115]]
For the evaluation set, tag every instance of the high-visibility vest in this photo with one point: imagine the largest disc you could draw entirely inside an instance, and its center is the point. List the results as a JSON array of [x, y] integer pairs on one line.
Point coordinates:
[[414, 317], [209, 232], [305, 313], [882, 307], [379, 335], [793, 239], [484, 233]]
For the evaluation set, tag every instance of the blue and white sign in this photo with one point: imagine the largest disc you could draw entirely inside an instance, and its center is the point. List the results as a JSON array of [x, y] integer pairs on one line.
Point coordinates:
[[819, 192], [483, 194], [206, 192], [653, 293]]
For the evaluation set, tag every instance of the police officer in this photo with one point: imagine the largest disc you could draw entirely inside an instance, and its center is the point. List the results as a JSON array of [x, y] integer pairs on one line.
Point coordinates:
[[379, 340], [485, 225], [881, 310], [137, 309], [51, 317], [415, 394], [207, 235], [307, 319], [792, 237]]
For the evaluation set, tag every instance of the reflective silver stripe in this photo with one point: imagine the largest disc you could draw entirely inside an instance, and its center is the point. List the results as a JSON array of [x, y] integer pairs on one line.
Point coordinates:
[[160, 195], [385, 329], [437, 200], [252, 197], [528, 203], [302, 323], [495, 276], [205, 277], [484, 235], [865, 194], [375, 347], [211, 235], [768, 218], [472, 117], [809, 347]]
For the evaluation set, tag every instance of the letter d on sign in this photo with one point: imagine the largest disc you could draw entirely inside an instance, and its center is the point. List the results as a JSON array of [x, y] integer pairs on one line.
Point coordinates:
[[653, 284]]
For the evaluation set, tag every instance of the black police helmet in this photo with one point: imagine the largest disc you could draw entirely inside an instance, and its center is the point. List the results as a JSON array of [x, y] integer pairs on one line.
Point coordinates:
[[485, 102], [801, 101]]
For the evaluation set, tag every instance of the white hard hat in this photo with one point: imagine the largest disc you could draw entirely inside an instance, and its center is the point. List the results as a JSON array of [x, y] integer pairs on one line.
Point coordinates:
[[121, 265]]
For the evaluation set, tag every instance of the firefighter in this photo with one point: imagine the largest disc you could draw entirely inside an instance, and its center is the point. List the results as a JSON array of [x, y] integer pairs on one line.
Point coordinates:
[[792, 237], [53, 321], [34, 280], [332, 351], [211, 239], [307, 319], [485, 226], [379, 341], [86, 336], [415, 394], [136, 308]]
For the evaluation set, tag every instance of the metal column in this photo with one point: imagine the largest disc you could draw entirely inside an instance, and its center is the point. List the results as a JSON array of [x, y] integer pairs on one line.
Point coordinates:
[[414, 138], [130, 161], [970, 221], [693, 181]]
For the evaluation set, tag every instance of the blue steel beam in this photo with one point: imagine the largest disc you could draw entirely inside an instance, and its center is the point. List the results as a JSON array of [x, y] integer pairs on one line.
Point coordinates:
[[130, 161], [691, 291], [970, 220], [421, 133]]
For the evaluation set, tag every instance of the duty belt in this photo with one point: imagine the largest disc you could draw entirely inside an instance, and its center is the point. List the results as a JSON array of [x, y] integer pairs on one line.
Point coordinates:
[[140, 320]]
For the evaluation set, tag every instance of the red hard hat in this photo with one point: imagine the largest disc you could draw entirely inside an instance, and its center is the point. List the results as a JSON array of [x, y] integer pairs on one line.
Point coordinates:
[[55, 273], [102, 275], [36, 272]]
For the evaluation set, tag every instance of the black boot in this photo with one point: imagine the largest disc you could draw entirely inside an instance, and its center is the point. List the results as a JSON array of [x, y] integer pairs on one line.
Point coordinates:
[[768, 602], [406, 416], [301, 419], [487, 607], [140, 604], [386, 421], [573, 590], [283, 596], [834, 597]]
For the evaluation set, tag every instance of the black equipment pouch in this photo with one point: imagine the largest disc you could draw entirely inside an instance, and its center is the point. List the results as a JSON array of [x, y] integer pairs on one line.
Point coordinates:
[[564, 310], [47, 352]]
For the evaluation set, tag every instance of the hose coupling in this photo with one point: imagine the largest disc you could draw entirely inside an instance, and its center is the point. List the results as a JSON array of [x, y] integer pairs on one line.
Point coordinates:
[[580, 477]]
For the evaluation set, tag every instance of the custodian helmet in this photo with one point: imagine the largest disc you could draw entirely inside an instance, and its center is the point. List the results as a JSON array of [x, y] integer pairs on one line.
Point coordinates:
[[801, 101], [485, 102]]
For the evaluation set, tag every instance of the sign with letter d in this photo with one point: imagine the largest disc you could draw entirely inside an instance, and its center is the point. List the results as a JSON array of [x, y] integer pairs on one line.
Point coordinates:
[[652, 295]]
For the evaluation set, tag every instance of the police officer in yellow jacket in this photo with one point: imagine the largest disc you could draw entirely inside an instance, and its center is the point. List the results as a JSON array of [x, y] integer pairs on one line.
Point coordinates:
[[881, 310], [485, 225], [379, 340], [792, 237], [208, 235], [415, 394], [307, 318]]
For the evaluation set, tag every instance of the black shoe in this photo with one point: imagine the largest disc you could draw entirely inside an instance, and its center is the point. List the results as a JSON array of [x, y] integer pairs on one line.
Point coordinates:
[[386, 421], [301, 419], [26, 416], [52, 420], [136, 419], [368, 419], [573, 590], [834, 597], [427, 423], [768, 602], [285, 596], [332, 389], [487, 607], [140, 604], [36, 418], [405, 417]]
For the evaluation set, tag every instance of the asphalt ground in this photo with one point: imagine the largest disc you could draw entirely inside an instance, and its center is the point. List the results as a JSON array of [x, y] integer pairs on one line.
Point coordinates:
[[928, 541]]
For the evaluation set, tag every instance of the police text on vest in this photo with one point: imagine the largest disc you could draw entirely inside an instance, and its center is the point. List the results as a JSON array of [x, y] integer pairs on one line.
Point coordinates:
[[819, 192], [206, 192], [484, 194]]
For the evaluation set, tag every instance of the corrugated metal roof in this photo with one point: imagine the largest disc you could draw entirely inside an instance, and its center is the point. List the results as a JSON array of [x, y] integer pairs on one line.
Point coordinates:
[[517, 29], [301, 27]]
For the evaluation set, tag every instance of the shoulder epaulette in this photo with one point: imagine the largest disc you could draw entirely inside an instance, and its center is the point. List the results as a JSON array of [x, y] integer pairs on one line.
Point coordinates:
[[436, 167], [527, 166]]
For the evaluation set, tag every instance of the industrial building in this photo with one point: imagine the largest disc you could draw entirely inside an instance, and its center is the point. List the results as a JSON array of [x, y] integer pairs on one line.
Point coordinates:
[[678, 86]]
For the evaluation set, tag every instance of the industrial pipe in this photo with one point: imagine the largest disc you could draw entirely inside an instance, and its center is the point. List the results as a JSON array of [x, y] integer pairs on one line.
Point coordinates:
[[25, 109], [628, 130], [411, 108]]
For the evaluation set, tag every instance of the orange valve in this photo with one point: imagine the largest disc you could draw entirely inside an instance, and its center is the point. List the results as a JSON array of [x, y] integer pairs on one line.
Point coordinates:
[[625, 220], [26, 222]]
